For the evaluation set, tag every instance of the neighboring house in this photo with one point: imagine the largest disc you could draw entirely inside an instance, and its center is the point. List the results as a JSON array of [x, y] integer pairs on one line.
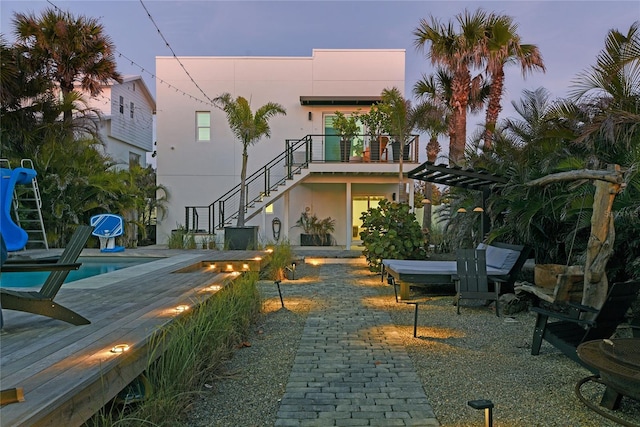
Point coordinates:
[[199, 160], [126, 125]]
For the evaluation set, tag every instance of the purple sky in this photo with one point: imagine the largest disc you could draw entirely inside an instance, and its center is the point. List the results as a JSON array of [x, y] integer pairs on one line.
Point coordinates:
[[569, 33]]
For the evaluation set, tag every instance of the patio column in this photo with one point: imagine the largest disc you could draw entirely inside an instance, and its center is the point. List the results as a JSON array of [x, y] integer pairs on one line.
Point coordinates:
[[349, 215]]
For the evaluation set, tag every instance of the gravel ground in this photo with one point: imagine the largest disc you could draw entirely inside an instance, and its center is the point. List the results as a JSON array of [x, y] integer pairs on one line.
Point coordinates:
[[475, 355]]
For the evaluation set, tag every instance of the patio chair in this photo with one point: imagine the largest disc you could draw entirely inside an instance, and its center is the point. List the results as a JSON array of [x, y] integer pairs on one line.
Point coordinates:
[[570, 329], [42, 301], [472, 281]]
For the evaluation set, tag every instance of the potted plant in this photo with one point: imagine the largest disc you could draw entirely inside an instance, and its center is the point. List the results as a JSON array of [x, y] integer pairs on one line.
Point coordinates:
[[248, 128], [376, 122], [357, 150], [315, 231], [346, 128]]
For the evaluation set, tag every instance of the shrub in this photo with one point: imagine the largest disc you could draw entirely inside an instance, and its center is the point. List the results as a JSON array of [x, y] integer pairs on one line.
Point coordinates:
[[391, 231]]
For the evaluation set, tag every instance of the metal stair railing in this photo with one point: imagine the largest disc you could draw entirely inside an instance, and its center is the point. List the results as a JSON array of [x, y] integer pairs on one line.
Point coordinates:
[[259, 187]]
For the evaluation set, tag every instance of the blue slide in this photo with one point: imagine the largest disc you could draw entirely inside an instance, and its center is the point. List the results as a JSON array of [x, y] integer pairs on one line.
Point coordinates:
[[15, 238]]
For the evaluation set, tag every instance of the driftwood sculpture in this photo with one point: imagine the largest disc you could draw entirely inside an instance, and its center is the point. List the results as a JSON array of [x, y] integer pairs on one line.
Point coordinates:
[[608, 183]]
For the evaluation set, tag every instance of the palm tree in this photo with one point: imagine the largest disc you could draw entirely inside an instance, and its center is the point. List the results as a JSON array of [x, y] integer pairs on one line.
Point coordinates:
[[502, 47], [401, 121], [68, 50], [458, 53], [249, 128]]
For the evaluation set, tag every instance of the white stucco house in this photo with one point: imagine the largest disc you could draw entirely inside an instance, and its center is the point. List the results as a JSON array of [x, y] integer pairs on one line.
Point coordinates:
[[299, 168], [126, 122]]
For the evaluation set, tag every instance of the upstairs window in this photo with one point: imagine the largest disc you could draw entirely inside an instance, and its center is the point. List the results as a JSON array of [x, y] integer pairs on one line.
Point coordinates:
[[132, 107], [203, 125], [122, 105]]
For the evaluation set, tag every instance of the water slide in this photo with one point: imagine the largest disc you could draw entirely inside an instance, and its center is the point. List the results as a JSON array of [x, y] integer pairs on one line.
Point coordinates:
[[15, 238]]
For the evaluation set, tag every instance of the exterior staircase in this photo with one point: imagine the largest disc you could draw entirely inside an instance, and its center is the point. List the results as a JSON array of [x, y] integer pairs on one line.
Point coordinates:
[[263, 187]]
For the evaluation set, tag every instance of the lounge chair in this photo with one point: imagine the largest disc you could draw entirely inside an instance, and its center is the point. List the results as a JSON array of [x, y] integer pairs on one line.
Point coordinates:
[[569, 328], [41, 302], [504, 262]]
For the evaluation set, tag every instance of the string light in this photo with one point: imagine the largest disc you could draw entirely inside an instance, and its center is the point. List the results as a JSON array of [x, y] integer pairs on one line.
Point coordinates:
[[153, 76]]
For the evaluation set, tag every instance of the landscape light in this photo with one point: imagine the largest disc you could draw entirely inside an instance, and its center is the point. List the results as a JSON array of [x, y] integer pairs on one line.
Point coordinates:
[[120, 348]]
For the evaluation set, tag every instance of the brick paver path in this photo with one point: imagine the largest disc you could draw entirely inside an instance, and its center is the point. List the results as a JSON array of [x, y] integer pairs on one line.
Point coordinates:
[[351, 368]]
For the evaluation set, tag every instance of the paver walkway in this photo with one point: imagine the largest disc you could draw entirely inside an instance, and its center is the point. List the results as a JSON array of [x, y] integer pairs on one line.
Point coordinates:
[[351, 368]]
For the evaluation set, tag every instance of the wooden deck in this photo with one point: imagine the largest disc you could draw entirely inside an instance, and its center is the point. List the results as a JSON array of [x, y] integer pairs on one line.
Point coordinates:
[[68, 372]]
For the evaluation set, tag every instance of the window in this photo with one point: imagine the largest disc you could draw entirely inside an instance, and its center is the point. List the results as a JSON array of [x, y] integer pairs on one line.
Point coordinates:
[[203, 126], [122, 105], [132, 107], [134, 159]]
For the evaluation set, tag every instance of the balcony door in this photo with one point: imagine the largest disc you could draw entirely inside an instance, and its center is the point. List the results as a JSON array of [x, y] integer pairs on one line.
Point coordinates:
[[331, 140]]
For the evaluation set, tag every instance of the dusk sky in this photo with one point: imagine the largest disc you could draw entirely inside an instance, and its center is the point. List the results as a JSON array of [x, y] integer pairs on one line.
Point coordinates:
[[569, 33]]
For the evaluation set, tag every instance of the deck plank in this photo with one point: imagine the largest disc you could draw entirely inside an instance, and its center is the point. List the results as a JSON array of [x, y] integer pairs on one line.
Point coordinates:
[[67, 372]]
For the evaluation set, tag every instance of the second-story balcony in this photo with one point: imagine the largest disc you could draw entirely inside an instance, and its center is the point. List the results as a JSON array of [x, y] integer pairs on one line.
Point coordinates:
[[312, 154]]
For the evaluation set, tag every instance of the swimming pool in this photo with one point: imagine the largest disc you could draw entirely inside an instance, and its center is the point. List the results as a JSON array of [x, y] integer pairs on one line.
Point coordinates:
[[91, 266]]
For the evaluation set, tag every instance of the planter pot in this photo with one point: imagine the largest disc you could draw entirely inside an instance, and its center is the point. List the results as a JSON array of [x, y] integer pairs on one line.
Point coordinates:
[[375, 150], [315, 240], [395, 147], [241, 238], [345, 150]]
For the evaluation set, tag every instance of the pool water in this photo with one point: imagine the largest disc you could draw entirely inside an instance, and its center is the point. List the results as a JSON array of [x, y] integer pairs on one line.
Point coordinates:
[[91, 266]]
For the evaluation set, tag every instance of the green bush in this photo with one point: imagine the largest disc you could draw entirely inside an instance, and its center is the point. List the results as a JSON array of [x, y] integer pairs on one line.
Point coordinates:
[[391, 231]]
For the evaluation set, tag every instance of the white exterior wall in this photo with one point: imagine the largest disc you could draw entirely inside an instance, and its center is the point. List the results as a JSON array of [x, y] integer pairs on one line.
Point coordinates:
[[121, 133], [196, 172]]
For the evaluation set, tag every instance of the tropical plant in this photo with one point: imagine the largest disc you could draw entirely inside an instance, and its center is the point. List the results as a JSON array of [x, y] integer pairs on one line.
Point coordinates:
[[67, 50], [346, 127], [318, 229], [401, 123], [458, 53], [248, 128], [502, 47], [390, 230]]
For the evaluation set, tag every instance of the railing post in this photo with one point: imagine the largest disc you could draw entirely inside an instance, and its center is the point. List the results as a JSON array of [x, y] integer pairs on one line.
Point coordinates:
[[211, 215], [221, 214], [289, 160], [267, 181], [186, 218]]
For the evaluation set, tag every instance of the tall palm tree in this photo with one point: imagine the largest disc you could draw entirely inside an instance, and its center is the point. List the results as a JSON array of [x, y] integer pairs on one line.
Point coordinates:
[[68, 50], [502, 47], [458, 53], [249, 128]]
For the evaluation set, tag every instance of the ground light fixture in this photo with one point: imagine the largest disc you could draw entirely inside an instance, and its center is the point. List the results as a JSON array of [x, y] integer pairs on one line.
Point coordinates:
[[182, 308], [120, 348]]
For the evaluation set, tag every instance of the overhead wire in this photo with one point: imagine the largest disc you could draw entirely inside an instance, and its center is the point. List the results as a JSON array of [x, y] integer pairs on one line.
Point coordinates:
[[152, 75]]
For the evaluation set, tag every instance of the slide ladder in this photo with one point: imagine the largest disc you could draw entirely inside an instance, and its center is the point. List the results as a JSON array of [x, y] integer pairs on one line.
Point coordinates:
[[27, 208]]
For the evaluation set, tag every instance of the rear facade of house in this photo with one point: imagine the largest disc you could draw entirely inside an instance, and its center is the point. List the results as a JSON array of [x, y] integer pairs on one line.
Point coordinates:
[[299, 168]]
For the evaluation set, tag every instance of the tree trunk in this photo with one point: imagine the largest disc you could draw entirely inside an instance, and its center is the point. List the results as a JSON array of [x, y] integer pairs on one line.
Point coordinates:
[[460, 88], [243, 192], [494, 107], [600, 246]]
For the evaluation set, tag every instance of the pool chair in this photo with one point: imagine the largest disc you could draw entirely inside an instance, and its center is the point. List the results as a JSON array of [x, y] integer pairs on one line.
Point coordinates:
[[503, 262], [107, 227], [42, 301]]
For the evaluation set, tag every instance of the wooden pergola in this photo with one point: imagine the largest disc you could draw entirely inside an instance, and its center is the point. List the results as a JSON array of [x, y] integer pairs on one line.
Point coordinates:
[[478, 180]]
